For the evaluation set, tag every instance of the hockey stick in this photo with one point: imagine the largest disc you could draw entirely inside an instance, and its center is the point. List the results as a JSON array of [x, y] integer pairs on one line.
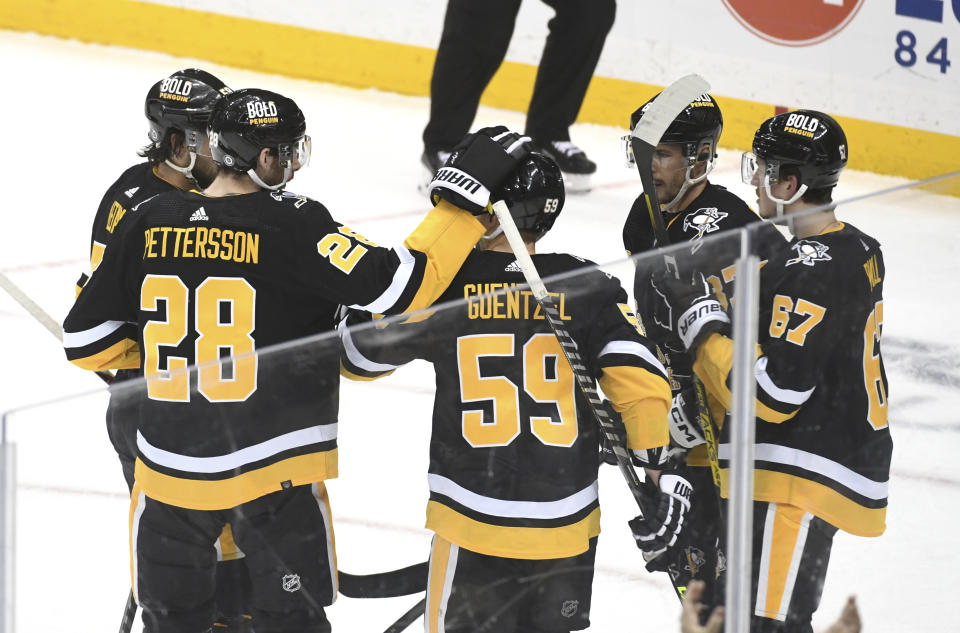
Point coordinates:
[[572, 354], [40, 315], [387, 584], [130, 608], [408, 618], [644, 140]]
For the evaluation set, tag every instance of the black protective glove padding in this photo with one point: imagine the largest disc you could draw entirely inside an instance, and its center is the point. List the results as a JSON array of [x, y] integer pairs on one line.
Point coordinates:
[[477, 167]]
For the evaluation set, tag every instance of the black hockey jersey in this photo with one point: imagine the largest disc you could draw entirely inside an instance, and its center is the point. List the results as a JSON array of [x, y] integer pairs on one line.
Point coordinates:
[[714, 211], [194, 280], [822, 440], [136, 184], [514, 447]]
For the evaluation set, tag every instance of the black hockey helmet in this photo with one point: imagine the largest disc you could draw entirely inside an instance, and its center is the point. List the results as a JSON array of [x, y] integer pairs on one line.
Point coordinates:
[[811, 141], [183, 101], [249, 120], [534, 193], [699, 122]]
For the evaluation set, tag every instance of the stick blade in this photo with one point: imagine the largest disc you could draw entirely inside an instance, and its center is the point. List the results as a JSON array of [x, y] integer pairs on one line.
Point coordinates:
[[667, 106]]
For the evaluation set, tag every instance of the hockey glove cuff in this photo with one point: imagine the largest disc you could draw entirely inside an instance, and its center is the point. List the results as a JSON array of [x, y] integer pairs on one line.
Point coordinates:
[[655, 532], [684, 420], [478, 166]]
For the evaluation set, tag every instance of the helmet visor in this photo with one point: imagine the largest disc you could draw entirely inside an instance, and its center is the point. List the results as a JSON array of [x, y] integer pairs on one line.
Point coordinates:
[[627, 146], [748, 168], [304, 149]]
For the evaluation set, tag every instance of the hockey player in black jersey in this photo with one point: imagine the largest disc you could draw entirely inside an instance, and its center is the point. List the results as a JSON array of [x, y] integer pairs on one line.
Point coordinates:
[[210, 280], [694, 209], [822, 443], [514, 448], [177, 157]]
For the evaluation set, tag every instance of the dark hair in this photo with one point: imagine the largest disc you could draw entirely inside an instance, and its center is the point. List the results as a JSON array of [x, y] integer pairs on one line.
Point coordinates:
[[821, 195], [156, 153]]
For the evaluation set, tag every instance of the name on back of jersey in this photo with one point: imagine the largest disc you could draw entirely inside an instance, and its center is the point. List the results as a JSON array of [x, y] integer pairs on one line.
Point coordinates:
[[482, 303], [201, 242]]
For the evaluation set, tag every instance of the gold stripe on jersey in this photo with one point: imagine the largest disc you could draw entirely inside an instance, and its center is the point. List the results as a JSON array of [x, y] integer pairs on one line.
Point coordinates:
[[349, 375], [437, 582], [784, 536], [228, 547], [96, 255], [220, 494], [133, 514], [713, 364], [820, 500], [646, 418], [513, 542], [445, 236], [123, 354]]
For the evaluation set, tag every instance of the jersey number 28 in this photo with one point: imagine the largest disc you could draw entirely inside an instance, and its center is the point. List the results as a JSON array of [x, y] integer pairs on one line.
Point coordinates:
[[224, 321]]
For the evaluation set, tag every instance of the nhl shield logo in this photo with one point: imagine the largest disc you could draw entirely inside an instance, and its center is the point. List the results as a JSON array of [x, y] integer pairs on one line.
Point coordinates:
[[703, 221], [569, 608], [809, 253], [291, 582]]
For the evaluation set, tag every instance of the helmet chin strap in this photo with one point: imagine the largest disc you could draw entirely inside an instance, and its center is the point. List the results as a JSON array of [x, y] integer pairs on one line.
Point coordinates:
[[287, 172], [186, 171], [496, 232], [687, 183], [781, 203]]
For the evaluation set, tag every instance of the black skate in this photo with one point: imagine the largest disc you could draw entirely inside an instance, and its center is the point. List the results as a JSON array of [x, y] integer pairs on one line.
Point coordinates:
[[432, 160], [576, 167]]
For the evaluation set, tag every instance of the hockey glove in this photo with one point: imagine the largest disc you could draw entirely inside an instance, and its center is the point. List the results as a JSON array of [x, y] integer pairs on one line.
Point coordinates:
[[478, 166], [684, 420], [659, 530], [692, 311]]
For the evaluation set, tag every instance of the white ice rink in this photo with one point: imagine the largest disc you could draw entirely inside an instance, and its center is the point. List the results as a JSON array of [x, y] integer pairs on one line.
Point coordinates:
[[73, 123]]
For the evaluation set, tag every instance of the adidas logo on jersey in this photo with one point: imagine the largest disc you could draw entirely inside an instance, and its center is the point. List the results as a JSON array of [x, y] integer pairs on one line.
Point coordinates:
[[199, 216], [512, 267], [129, 192]]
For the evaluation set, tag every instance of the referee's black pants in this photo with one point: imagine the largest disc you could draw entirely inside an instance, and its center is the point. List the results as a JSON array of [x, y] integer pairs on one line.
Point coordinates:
[[476, 34]]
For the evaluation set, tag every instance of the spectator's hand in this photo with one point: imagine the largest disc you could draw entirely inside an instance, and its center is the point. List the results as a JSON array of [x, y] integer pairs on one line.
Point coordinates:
[[849, 620], [690, 616], [478, 165]]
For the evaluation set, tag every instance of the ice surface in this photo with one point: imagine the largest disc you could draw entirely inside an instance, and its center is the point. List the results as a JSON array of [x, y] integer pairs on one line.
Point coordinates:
[[74, 120]]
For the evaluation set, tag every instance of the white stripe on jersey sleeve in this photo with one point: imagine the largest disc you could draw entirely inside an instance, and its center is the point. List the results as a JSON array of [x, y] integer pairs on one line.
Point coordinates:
[[787, 396], [94, 334], [354, 355], [400, 280], [635, 349], [513, 509]]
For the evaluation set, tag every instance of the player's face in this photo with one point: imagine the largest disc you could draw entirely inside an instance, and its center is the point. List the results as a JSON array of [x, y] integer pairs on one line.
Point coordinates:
[[204, 170], [669, 171], [766, 207]]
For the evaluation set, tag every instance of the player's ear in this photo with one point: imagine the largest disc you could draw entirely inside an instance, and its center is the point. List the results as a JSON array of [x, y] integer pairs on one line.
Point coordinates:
[[178, 145], [265, 159]]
